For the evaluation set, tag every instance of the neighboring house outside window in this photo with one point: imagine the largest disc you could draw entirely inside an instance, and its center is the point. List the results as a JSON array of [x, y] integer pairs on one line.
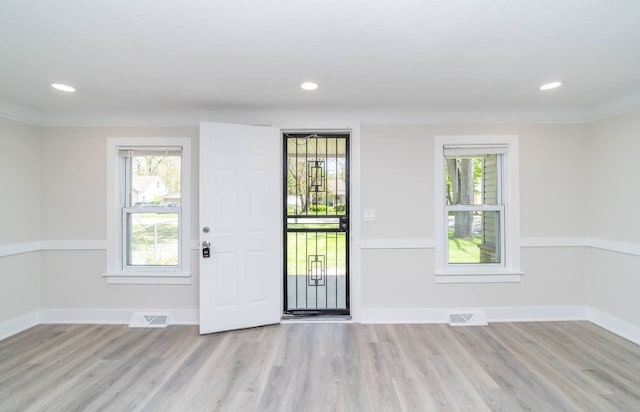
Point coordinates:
[[477, 209], [148, 216], [148, 188]]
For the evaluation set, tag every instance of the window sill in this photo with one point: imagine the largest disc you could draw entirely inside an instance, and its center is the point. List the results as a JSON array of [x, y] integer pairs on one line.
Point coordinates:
[[148, 278], [479, 277]]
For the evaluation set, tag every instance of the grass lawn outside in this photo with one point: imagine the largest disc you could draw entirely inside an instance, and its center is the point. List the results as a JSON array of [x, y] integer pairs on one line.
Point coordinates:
[[464, 250], [320, 210], [154, 238], [300, 245]]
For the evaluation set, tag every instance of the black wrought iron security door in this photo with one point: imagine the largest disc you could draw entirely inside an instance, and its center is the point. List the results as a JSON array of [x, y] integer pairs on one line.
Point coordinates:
[[316, 226]]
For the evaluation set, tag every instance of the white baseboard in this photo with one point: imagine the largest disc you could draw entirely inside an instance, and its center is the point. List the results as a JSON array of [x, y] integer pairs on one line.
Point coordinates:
[[404, 315], [615, 325], [494, 314], [114, 316], [605, 320], [537, 313], [16, 325]]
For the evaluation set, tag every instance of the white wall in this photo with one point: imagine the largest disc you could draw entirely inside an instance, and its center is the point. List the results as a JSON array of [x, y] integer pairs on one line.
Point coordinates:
[[613, 210], [20, 188], [74, 209], [397, 180], [53, 182]]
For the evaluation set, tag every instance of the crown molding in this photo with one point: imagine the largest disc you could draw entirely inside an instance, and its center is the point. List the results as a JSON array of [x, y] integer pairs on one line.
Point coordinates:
[[19, 113], [615, 107], [266, 117], [411, 117]]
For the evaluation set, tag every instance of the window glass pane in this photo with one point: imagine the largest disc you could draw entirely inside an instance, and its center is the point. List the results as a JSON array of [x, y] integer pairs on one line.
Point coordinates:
[[155, 181], [474, 237], [152, 239], [472, 180]]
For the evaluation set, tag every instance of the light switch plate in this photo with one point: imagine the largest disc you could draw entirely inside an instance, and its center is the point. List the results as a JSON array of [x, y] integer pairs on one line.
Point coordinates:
[[369, 215]]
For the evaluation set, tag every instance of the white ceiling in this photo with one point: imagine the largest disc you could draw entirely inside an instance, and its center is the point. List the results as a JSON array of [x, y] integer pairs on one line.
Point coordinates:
[[185, 60]]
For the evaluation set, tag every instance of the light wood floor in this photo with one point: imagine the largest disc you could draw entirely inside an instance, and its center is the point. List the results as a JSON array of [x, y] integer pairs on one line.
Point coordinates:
[[564, 366]]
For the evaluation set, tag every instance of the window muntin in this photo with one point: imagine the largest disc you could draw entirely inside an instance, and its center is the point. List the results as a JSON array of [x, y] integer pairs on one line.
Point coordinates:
[[151, 208], [474, 208]]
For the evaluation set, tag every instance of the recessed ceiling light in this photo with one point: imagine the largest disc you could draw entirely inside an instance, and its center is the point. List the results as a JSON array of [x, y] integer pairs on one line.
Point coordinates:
[[63, 87], [309, 86], [550, 86]]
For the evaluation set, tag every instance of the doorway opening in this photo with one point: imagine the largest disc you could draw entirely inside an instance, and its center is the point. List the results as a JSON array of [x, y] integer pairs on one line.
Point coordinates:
[[316, 224]]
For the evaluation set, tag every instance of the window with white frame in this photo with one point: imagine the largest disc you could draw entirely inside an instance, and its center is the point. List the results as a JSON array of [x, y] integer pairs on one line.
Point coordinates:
[[477, 209], [148, 218]]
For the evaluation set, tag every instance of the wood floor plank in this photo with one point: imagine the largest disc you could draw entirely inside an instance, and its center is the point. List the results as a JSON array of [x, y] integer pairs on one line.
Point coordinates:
[[50, 373], [557, 366], [167, 395], [462, 357], [559, 375], [25, 349], [606, 350], [98, 371], [526, 388]]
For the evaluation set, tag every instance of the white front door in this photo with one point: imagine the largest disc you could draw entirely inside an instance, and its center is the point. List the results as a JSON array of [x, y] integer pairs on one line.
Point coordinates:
[[240, 216]]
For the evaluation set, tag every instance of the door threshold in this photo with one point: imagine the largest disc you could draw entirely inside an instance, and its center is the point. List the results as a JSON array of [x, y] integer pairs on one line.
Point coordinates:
[[316, 318]]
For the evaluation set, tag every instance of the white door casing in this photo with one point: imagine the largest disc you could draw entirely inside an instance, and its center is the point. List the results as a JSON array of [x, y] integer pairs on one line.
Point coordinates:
[[240, 202]]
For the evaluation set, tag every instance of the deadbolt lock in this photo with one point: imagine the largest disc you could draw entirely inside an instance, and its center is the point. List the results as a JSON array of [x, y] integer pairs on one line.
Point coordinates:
[[206, 249]]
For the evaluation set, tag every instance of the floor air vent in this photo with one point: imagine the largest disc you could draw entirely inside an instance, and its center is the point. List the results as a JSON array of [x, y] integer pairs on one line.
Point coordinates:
[[467, 319], [149, 320]]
